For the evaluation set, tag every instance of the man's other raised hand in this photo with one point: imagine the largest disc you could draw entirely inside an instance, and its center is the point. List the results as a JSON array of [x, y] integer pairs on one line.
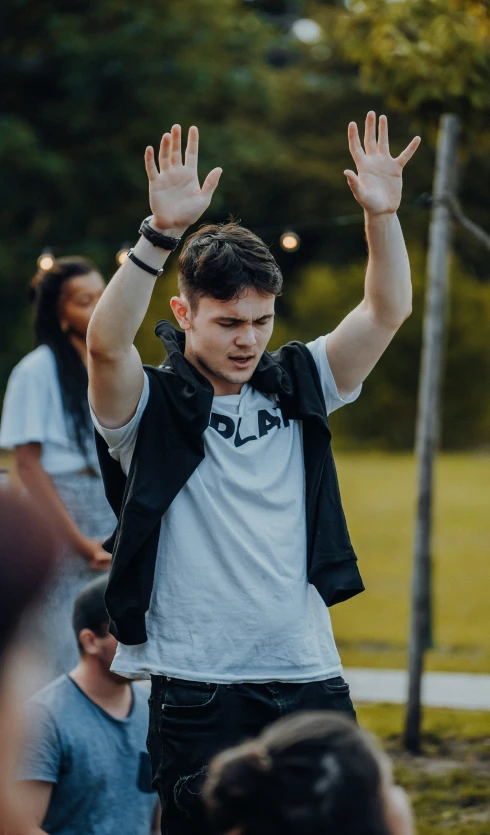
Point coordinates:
[[176, 198], [377, 186]]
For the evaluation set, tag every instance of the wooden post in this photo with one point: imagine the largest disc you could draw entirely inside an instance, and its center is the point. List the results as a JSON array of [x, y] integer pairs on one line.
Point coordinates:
[[428, 418]]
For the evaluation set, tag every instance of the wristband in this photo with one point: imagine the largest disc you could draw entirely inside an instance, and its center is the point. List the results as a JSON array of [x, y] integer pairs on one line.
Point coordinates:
[[143, 266], [158, 238]]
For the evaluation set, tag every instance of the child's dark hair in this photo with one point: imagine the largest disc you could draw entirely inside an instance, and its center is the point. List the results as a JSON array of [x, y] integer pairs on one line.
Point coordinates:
[[307, 774], [223, 261], [46, 287]]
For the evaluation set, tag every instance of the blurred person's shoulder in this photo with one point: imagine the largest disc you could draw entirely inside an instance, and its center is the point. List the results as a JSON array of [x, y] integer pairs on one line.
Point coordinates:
[[61, 701], [63, 695], [50, 710], [53, 696], [40, 361]]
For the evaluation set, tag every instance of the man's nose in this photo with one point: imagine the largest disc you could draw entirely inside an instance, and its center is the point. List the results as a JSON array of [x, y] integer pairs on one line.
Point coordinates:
[[246, 337]]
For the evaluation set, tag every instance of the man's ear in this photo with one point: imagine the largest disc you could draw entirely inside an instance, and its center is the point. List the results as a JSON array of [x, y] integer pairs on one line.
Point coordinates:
[[182, 311], [87, 638]]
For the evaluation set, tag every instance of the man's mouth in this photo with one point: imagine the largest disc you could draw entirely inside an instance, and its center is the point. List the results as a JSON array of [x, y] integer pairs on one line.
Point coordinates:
[[242, 362]]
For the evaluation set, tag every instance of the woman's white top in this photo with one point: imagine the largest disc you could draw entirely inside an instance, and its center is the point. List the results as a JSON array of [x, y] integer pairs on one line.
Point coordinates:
[[33, 411]]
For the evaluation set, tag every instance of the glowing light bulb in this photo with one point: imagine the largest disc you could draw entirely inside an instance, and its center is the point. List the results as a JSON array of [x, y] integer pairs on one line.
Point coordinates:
[[45, 260], [289, 241], [122, 255], [307, 31]]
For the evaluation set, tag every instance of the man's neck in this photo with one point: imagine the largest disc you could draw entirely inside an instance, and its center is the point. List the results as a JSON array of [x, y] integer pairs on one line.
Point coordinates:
[[221, 387], [114, 697]]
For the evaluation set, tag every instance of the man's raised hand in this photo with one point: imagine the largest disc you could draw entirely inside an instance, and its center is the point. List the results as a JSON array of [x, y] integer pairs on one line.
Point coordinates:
[[377, 186], [176, 198]]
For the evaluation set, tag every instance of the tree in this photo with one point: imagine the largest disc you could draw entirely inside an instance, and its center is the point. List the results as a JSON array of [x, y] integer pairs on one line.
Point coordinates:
[[426, 56], [429, 415], [439, 49]]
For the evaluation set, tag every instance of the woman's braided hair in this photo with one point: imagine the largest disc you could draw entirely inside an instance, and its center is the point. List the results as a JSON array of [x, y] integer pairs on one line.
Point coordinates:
[[46, 287]]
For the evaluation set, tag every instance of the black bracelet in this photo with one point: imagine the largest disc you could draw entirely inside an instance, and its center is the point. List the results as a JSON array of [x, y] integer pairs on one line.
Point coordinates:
[[158, 238], [144, 266]]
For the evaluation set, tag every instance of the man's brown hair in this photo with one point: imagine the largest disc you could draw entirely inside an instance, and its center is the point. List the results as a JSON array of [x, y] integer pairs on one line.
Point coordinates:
[[222, 261]]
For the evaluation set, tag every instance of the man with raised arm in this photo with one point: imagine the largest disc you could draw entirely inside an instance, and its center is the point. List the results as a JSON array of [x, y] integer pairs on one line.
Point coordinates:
[[231, 542]]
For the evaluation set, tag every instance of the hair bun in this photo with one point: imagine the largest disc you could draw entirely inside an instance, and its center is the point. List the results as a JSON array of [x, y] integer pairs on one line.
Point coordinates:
[[258, 756], [242, 765], [239, 783]]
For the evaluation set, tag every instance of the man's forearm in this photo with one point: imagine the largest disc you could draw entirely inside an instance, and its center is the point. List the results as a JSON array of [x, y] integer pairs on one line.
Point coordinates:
[[124, 303], [388, 288]]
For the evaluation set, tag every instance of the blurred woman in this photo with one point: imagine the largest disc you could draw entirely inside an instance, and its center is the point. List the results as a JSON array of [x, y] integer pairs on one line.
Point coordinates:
[[309, 774], [46, 420]]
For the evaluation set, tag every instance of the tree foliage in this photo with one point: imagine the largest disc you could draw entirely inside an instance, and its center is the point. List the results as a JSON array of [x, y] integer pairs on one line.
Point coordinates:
[[384, 416], [424, 54]]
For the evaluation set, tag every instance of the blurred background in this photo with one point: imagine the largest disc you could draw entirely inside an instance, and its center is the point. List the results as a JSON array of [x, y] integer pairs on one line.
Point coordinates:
[[272, 85]]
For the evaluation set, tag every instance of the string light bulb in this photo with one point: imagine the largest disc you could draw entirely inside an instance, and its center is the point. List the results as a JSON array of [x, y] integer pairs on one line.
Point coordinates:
[[307, 31], [45, 260], [122, 254], [289, 241]]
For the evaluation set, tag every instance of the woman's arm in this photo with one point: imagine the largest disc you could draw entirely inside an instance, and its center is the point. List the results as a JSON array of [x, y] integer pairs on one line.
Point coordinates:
[[42, 489]]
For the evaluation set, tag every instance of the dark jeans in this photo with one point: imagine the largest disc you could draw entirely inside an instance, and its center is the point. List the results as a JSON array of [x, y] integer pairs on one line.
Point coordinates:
[[191, 721]]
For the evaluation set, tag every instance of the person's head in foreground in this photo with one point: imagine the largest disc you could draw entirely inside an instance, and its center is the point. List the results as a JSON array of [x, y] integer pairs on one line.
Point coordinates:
[[96, 645], [228, 283], [312, 773], [28, 553]]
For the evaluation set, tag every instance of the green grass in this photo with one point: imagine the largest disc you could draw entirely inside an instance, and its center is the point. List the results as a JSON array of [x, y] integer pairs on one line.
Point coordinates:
[[379, 499], [449, 784], [439, 725]]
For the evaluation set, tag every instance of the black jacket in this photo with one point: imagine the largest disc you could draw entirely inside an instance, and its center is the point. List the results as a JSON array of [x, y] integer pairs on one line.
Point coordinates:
[[170, 446]]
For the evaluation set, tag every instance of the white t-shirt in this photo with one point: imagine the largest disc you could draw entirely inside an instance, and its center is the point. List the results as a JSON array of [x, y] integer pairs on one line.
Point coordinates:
[[231, 600], [33, 411]]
